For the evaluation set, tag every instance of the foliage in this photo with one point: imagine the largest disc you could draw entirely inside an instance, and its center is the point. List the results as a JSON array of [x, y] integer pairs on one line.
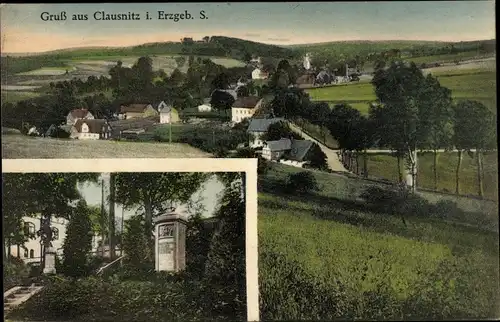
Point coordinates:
[[316, 157], [135, 244], [225, 265], [303, 182], [474, 126], [78, 242], [15, 272], [279, 130], [198, 239]]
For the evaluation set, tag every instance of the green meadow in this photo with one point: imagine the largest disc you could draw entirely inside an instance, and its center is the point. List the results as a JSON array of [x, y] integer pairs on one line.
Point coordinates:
[[324, 255]]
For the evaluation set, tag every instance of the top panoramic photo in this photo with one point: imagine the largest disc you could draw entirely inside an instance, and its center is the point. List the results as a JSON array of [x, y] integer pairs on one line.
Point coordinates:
[[318, 85]]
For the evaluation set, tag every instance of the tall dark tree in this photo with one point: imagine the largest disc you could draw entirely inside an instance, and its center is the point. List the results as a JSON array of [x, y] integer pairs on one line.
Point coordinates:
[[78, 242], [475, 128]]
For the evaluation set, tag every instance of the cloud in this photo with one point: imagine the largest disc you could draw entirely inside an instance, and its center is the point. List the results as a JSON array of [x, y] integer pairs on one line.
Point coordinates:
[[279, 39]]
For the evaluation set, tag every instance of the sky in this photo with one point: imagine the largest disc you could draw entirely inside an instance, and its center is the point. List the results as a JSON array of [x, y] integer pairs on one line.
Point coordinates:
[[282, 23], [208, 195]]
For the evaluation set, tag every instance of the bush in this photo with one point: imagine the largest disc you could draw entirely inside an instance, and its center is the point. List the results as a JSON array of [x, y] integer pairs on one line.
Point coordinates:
[[304, 182], [15, 272]]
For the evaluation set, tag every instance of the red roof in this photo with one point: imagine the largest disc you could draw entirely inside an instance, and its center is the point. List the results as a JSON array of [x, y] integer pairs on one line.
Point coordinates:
[[246, 102]]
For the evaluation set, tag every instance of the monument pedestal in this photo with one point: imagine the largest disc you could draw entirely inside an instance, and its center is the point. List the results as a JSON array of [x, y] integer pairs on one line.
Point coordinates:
[[170, 243], [50, 261]]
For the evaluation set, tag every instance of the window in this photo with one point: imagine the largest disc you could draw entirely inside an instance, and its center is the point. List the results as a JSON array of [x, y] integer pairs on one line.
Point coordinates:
[[55, 233], [32, 253], [29, 228], [26, 253]]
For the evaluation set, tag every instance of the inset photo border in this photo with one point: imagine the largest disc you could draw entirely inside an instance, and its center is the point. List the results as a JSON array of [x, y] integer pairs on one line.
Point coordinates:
[[135, 167]]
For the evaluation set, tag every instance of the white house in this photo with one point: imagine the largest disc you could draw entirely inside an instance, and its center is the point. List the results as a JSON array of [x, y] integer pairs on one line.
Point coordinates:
[[243, 108], [31, 252], [168, 115], [78, 114], [90, 130], [257, 73], [206, 106], [289, 151], [161, 106], [258, 127]]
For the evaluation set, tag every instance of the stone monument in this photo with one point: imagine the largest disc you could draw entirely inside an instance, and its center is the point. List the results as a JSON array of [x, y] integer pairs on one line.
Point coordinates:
[[50, 261], [170, 242]]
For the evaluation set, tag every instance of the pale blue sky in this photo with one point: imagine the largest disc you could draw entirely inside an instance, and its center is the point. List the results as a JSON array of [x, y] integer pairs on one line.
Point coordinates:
[[208, 195], [279, 23]]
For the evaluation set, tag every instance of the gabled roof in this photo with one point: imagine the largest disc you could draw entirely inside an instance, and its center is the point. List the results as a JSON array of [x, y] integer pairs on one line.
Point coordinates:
[[261, 125], [133, 108], [296, 149], [80, 113], [299, 149], [279, 145], [246, 102], [95, 126]]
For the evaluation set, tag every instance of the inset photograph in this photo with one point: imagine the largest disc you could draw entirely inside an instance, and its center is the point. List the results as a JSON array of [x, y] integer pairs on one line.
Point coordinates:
[[129, 246]]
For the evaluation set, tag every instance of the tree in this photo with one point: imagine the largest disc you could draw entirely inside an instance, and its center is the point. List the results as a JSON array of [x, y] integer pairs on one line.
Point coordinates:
[[221, 101], [224, 278], [243, 91], [279, 130], [78, 242], [316, 157], [156, 193], [49, 194], [474, 128], [402, 91], [135, 242], [435, 123]]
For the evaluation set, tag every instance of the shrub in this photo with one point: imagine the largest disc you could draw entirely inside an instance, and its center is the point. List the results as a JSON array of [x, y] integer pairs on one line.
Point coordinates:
[[304, 182], [78, 242], [134, 245]]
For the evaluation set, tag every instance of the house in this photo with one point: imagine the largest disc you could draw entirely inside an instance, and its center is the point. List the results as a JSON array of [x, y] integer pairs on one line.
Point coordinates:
[[78, 114], [257, 73], [288, 151], [31, 251], [160, 105], [306, 80], [169, 115], [91, 130], [206, 106], [137, 111], [244, 107], [258, 127]]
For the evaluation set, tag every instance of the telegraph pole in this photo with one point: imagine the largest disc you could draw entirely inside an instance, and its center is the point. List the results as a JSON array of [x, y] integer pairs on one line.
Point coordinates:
[[111, 216], [103, 219]]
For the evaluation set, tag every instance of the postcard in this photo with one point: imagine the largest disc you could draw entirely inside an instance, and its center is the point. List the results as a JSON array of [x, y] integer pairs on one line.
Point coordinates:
[[372, 131]]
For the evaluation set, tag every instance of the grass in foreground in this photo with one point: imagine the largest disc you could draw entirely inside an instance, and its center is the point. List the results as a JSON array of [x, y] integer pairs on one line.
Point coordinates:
[[24, 147], [366, 265]]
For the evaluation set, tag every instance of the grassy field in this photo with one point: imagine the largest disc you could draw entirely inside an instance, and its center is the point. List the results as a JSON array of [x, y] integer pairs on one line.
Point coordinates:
[[24, 147], [16, 96], [385, 166], [474, 83], [333, 240], [449, 58]]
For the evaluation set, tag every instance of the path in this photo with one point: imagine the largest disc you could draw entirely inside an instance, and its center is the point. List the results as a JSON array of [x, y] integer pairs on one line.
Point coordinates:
[[331, 155]]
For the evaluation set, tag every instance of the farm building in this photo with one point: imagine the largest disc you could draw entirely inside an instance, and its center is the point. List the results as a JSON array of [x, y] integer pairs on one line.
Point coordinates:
[[169, 115], [243, 108], [137, 111], [258, 127], [91, 130], [78, 114], [289, 151]]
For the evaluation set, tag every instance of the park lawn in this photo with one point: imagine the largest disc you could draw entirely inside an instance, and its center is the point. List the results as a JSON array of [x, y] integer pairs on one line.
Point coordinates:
[[385, 166], [333, 240]]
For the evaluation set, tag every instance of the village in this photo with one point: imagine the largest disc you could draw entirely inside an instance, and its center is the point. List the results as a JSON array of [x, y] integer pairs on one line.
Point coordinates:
[[248, 107]]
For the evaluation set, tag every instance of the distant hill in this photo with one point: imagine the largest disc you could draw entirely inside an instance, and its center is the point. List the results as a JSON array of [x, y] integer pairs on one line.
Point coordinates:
[[415, 47], [240, 49]]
